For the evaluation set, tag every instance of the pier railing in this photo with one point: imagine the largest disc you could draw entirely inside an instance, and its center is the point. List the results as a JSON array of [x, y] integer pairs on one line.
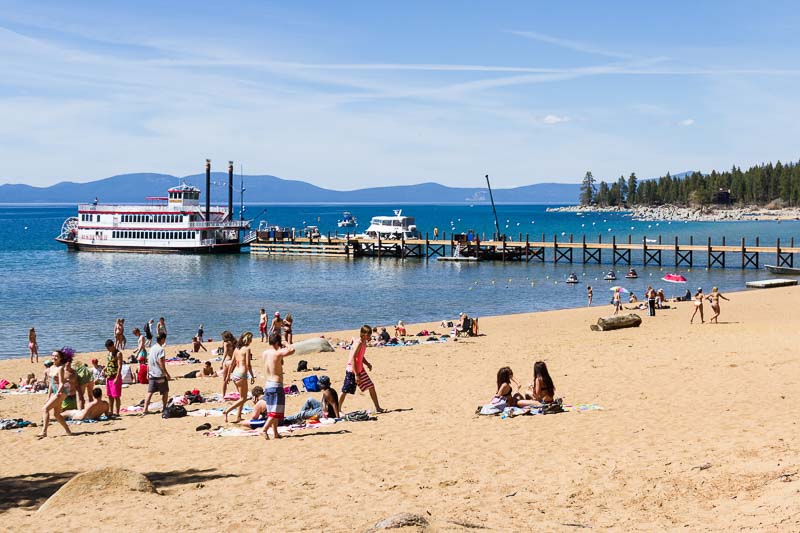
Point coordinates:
[[648, 251]]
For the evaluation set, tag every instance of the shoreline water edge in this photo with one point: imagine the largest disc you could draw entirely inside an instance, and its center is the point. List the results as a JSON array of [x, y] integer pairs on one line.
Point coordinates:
[[683, 213]]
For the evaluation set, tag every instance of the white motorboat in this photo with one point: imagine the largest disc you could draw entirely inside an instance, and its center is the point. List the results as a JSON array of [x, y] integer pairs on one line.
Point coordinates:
[[396, 227], [347, 221]]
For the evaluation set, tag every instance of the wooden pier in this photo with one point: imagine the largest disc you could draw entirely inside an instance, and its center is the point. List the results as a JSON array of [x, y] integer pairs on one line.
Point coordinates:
[[648, 252]]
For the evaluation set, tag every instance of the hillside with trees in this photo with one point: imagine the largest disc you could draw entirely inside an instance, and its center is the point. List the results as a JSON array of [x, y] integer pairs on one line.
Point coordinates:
[[775, 185]]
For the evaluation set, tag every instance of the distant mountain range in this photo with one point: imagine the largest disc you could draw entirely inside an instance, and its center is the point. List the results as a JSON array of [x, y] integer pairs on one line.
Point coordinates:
[[133, 188]]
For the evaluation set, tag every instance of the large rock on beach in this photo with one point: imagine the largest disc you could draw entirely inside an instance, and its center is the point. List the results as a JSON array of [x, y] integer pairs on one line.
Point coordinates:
[[631, 320], [315, 345], [103, 482]]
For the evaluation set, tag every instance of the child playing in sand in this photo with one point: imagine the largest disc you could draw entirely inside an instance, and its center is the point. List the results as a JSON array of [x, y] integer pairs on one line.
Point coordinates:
[[354, 371]]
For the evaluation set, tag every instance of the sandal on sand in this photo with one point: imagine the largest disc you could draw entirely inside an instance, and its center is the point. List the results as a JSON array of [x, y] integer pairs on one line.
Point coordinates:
[[203, 427]]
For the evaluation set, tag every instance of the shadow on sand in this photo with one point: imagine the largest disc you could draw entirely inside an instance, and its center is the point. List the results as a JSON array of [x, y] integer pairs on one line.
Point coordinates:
[[30, 491]]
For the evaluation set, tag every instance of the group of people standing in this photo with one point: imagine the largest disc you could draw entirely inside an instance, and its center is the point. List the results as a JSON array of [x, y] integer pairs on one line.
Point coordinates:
[[282, 326]]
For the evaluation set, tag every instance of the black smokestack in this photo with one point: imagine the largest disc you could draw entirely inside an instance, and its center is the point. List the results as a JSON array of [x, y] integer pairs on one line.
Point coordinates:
[[208, 190], [230, 189]]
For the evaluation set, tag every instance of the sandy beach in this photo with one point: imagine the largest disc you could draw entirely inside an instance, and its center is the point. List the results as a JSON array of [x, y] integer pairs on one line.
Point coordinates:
[[698, 432]]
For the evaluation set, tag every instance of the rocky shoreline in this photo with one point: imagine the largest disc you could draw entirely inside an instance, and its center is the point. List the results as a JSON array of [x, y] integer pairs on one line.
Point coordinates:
[[693, 214]]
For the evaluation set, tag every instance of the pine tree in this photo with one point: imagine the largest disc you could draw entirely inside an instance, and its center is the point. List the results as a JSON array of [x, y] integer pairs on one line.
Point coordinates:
[[588, 189], [602, 194], [632, 185], [623, 190]]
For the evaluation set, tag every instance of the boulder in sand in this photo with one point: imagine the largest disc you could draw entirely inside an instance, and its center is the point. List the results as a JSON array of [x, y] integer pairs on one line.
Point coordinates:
[[631, 320], [315, 345], [103, 481]]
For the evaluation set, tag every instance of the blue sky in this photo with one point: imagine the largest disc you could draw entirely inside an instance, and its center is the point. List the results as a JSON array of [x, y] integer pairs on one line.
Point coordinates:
[[357, 94]]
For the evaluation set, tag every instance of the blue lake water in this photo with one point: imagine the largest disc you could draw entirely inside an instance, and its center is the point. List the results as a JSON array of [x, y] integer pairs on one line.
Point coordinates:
[[73, 298]]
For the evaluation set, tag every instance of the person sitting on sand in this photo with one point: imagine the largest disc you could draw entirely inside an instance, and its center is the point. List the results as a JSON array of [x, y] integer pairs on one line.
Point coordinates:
[[259, 416], [141, 373], [661, 299], [632, 298], [197, 345], [96, 408], [505, 390], [28, 382], [714, 299], [328, 407], [400, 329], [542, 389]]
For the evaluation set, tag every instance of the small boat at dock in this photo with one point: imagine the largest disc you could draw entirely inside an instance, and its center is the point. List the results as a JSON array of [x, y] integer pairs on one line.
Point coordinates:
[[610, 276], [785, 271], [347, 221]]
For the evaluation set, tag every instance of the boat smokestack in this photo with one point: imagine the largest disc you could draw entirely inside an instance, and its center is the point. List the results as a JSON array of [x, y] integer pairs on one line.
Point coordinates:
[[230, 189], [208, 190]]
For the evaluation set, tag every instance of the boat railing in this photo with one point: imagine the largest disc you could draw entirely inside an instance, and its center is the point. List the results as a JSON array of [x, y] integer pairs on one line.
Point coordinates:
[[216, 224], [207, 242], [145, 208], [249, 237]]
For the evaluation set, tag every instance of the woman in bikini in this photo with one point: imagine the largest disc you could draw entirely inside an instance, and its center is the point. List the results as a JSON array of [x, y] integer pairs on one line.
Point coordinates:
[[698, 306], [714, 299], [505, 390], [542, 389], [287, 328], [240, 374], [33, 346], [228, 345], [58, 389]]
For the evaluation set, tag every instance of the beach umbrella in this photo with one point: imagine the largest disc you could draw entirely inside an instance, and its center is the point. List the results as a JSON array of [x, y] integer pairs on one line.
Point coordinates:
[[674, 278], [621, 289]]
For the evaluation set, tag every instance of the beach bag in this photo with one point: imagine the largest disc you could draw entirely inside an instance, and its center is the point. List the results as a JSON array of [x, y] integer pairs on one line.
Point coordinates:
[[173, 411], [302, 365], [311, 383], [553, 408]]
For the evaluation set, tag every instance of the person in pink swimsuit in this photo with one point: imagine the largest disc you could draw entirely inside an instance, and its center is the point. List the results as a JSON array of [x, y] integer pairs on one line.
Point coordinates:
[[355, 373]]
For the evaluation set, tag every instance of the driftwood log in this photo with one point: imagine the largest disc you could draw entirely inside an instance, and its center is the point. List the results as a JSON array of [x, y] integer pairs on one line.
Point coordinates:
[[631, 320]]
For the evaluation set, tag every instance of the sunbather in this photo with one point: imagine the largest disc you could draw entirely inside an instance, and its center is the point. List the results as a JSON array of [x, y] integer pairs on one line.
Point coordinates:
[[542, 389], [259, 416], [505, 390], [96, 408]]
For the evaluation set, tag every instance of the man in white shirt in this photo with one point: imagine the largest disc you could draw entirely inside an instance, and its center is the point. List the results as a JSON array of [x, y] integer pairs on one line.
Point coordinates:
[[157, 375]]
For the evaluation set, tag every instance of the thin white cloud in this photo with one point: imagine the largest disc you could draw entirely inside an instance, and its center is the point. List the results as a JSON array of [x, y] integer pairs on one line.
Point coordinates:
[[686, 122], [554, 119], [569, 44]]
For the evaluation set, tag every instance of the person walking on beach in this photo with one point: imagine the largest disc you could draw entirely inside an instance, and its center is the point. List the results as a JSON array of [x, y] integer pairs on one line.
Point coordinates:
[[157, 374], [616, 300], [698, 305], [114, 377], [714, 299], [200, 333], [355, 374], [274, 396], [262, 325], [241, 373], [119, 334], [589, 295], [148, 333], [58, 389], [33, 345], [161, 329], [228, 346]]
